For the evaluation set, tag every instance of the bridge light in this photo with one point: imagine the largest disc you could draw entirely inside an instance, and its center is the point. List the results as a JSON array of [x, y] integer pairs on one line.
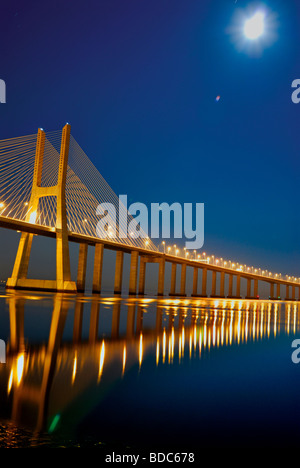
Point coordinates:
[[2, 205]]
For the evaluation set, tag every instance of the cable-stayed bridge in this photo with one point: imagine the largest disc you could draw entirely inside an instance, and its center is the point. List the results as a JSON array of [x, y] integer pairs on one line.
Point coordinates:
[[49, 187]]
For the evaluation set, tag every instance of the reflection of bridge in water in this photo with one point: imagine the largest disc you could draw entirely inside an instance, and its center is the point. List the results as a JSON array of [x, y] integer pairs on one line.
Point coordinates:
[[45, 380], [49, 187]]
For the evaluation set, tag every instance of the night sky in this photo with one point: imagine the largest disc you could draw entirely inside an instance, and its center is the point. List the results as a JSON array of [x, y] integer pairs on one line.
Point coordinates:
[[138, 82]]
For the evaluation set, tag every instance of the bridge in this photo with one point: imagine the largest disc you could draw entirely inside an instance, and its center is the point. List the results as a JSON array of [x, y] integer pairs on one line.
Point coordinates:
[[49, 187]]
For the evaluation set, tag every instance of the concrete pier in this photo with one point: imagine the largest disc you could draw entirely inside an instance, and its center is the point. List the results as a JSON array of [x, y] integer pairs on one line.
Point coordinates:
[[183, 280], [81, 273], [98, 263], [133, 272], [173, 280], [119, 272]]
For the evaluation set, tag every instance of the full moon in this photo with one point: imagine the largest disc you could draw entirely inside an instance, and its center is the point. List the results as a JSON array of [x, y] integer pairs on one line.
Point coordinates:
[[254, 27]]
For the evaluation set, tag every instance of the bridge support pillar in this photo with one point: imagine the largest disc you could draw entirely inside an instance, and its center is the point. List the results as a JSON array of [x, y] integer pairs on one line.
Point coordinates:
[[272, 291], [133, 272], [81, 273], [248, 296], [255, 292], [183, 280], [238, 287], [119, 272], [213, 284], [287, 293], [230, 286], [98, 262], [293, 298], [204, 282], [278, 291], [173, 280], [195, 282], [161, 277], [63, 281], [142, 276], [222, 284]]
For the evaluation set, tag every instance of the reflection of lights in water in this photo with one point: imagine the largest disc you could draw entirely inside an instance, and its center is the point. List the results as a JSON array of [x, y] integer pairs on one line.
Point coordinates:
[[214, 331], [231, 328], [10, 381], [253, 327], [248, 321], [16, 372], [74, 367], [239, 326], [164, 345], [101, 359], [182, 341], [215, 328], [261, 324], [288, 319], [269, 322], [141, 349], [124, 360], [246, 326], [172, 343], [157, 351], [179, 348], [200, 342], [275, 321], [20, 368]]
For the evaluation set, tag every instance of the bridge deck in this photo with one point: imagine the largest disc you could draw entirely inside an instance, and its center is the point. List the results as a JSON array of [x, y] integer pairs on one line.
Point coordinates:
[[37, 229]]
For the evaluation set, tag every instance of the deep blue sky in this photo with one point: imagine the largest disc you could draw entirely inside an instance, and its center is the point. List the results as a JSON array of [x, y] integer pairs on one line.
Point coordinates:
[[137, 80]]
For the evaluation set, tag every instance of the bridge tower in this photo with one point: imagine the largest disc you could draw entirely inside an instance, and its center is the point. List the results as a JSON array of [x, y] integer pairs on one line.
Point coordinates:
[[63, 281]]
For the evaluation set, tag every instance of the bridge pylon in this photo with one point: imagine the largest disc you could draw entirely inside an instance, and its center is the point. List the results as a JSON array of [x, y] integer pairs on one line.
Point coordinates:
[[63, 282]]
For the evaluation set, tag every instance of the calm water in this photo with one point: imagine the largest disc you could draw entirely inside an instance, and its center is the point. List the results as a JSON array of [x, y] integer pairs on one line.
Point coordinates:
[[131, 375]]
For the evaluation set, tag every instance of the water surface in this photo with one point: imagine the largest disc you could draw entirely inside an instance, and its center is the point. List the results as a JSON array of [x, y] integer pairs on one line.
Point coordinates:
[[131, 375]]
